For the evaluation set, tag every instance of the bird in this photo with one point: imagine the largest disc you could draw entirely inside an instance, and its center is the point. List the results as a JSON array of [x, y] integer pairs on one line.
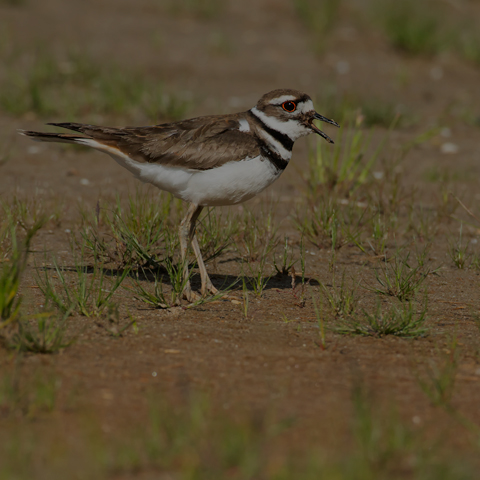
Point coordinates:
[[206, 161]]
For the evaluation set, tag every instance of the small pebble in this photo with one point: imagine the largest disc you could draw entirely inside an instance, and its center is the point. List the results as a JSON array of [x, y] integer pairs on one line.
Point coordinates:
[[33, 150], [436, 73], [449, 148], [343, 67]]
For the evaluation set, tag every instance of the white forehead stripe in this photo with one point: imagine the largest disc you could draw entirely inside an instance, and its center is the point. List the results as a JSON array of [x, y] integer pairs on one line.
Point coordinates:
[[283, 98], [293, 128], [306, 106], [244, 125]]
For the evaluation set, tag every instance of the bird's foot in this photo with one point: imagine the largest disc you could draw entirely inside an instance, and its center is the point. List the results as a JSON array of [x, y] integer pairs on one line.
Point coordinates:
[[209, 288], [206, 290], [190, 296]]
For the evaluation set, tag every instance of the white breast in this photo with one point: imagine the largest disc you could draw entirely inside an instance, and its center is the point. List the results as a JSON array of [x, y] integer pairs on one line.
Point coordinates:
[[232, 183]]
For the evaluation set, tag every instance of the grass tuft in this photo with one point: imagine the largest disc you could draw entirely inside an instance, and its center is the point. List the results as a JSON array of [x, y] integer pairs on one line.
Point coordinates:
[[159, 298], [286, 262], [257, 238], [22, 218], [215, 233], [345, 166], [46, 335], [400, 279], [459, 252], [257, 278], [11, 272], [331, 222], [257, 235], [85, 290], [132, 235], [342, 299], [401, 321]]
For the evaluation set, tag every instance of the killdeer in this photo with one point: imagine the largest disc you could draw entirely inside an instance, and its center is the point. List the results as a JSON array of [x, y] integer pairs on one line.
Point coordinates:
[[206, 161]]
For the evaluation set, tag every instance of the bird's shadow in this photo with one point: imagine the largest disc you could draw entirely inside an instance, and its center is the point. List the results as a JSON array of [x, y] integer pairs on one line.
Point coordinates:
[[280, 281]]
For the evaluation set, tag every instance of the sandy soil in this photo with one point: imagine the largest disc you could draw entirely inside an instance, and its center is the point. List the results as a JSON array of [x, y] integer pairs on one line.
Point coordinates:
[[271, 360]]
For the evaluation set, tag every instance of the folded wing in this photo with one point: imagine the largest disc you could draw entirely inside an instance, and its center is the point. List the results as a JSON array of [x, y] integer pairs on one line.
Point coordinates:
[[199, 143]]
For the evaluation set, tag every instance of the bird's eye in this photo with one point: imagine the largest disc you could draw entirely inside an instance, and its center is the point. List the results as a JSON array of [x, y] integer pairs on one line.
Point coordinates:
[[289, 106]]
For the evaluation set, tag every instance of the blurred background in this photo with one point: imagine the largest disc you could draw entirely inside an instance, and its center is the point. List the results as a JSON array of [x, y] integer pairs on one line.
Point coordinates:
[[155, 60]]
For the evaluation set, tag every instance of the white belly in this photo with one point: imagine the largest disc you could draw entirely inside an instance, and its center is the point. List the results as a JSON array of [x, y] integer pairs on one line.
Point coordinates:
[[232, 183]]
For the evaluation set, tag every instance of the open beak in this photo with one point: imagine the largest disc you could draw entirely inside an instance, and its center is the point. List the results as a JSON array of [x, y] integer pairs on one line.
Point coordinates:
[[317, 116]]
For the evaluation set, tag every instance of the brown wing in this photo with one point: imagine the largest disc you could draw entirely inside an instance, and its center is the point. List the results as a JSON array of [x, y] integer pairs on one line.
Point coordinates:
[[199, 143]]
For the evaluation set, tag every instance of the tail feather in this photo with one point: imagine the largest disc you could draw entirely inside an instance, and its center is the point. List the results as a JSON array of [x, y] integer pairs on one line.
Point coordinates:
[[51, 137], [76, 127], [104, 139], [85, 140], [102, 134]]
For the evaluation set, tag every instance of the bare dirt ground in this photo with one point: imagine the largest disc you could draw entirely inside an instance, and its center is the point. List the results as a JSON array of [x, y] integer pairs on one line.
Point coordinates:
[[268, 364]]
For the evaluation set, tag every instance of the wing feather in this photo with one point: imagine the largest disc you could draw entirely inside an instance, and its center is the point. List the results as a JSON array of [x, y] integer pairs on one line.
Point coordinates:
[[199, 143]]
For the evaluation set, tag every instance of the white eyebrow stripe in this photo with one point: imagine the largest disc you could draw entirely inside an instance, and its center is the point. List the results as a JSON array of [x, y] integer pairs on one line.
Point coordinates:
[[283, 98]]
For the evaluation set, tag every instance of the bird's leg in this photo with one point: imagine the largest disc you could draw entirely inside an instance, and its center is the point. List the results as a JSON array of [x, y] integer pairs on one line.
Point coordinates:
[[186, 232], [207, 284]]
